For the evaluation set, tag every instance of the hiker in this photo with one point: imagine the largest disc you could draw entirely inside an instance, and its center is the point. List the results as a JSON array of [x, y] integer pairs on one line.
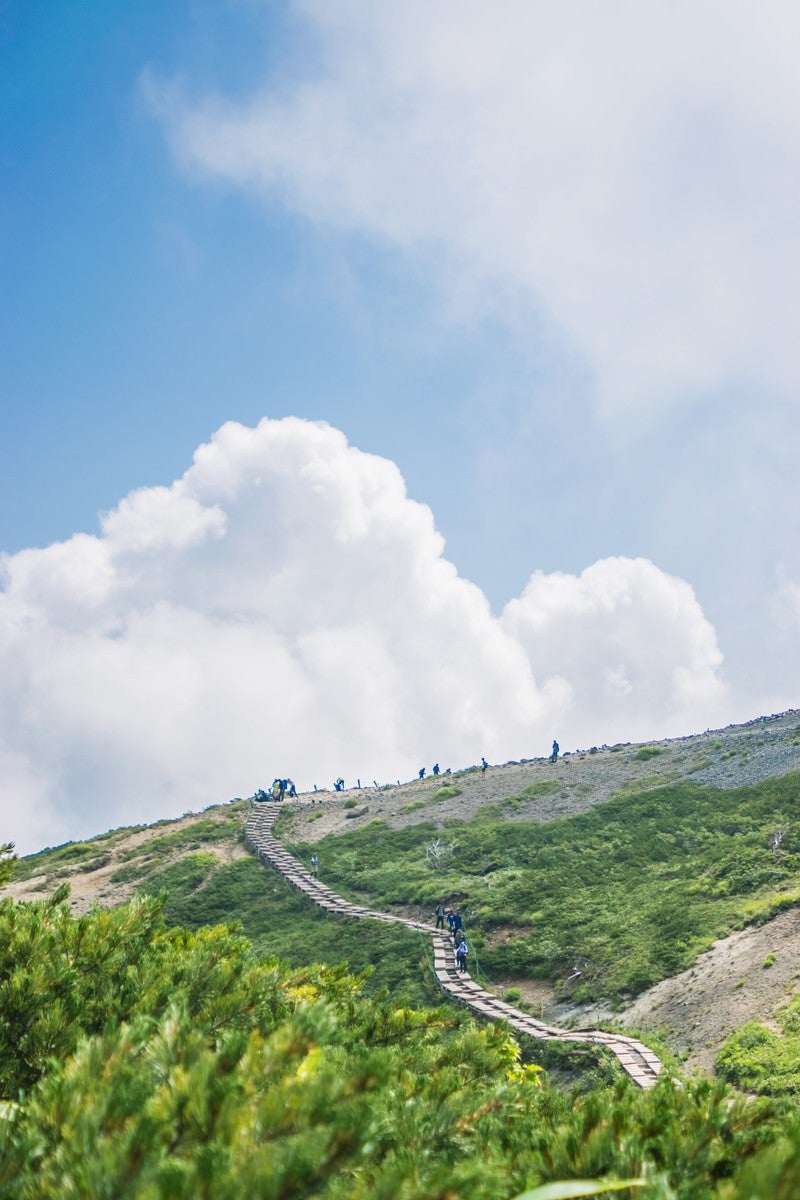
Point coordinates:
[[554, 755], [276, 789], [484, 763], [422, 772], [458, 925], [462, 950], [451, 921], [314, 864], [436, 768], [459, 937], [292, 789], [281, 789], [338, 785], [440, 915]]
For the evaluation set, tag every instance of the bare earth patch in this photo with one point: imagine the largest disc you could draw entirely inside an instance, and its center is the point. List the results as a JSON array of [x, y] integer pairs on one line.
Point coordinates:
[[727, 986], [90, 888]]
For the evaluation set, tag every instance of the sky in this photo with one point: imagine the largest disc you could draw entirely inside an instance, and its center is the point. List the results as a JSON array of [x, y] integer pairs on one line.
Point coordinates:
[[388, 384]]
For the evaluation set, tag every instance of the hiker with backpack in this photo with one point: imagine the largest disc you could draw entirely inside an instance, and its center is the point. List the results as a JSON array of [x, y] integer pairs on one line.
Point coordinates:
[[462, 950], [440, 915]]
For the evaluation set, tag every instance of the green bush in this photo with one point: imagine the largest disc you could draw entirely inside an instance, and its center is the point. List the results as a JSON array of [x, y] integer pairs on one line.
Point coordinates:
[[646, 752], [545, 787], [448, 792]]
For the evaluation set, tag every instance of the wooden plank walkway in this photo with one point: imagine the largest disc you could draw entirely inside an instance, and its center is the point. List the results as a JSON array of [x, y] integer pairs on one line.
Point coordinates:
[[636, 1059]]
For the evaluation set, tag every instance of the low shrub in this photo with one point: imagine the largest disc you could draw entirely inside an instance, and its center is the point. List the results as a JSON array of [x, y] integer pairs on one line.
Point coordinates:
[[646, 752], [448, 792]]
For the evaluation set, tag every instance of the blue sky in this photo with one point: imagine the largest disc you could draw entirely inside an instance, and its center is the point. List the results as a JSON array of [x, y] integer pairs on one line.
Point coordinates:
[[547, 266], [144, 311]]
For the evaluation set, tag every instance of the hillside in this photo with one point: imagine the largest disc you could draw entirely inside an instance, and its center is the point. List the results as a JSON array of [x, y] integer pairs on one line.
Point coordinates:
[[202, 859]]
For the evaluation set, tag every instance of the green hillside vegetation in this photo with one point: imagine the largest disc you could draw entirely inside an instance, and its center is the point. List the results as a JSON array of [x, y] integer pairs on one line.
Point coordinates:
[[630, 891], [148, 1062]]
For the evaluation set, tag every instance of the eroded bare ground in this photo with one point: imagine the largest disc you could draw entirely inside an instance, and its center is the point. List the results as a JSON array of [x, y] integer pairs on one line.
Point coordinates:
[[747, 976], [89, 888], [696, 1010]]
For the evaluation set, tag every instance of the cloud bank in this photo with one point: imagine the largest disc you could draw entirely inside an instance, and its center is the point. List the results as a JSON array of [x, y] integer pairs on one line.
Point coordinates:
[[285, 608], [624, 173]]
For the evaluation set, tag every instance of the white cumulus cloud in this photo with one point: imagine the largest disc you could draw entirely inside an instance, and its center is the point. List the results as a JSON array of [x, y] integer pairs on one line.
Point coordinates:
[[285, 608], [624, 640]]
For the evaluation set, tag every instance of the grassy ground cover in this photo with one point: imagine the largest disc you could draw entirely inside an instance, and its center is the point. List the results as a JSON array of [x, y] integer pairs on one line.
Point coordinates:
[[630, 891]]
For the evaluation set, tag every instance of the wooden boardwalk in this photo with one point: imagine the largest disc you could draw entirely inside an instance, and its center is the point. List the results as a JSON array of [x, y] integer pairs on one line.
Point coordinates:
[[636, 1059]]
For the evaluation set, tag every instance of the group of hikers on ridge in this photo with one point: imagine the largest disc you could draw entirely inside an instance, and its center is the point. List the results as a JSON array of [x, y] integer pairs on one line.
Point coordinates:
[[286, 787], [436, 770], [278, 789], [283, 787], [455, 924]]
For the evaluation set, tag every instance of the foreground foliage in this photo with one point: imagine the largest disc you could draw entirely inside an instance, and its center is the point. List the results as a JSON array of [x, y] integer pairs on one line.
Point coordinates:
[[762, 1060], [142, 1061]]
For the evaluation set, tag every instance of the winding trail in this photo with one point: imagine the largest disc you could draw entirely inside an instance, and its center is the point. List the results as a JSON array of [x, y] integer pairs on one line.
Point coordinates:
[[636, 1059]]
